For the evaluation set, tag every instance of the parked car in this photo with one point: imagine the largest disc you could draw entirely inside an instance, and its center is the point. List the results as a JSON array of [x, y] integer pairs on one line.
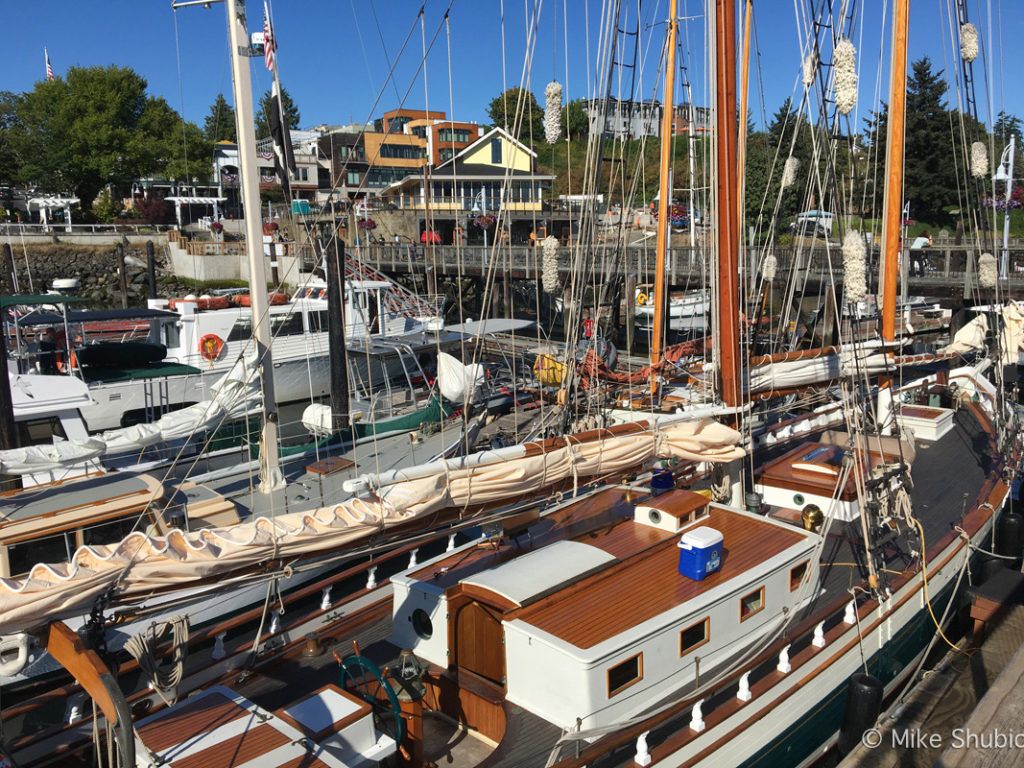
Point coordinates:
[[813, 223]]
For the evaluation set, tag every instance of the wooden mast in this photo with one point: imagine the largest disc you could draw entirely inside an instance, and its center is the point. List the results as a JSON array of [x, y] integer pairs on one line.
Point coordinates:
[[727, 215], [664, 196], [892, 221], [892, 224]]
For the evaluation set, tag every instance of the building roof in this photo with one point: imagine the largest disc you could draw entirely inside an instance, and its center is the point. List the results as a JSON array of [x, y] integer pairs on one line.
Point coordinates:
[[471, 147]]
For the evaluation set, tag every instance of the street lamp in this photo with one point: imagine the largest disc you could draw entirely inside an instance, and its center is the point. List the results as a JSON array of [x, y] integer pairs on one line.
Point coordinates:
[[1004, 173]]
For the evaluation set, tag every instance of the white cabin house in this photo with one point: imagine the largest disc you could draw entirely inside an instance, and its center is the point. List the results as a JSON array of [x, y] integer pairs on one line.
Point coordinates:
[[598, 627]]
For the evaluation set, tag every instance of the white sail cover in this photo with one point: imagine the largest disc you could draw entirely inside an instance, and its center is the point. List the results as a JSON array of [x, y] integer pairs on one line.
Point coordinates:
[[44, 458], [456, 380], [970, 337], [141, 563], [233, 394], [1013, 332], [797, 373]]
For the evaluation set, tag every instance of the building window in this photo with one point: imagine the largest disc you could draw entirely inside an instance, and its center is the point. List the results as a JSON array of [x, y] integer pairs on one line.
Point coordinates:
[[402, 151], [695, 636], [496, 150], [420, 130], [751, 604], [457, 134], [302, 174], [624, 674], [446, 154], [796, 575], [353, 178]]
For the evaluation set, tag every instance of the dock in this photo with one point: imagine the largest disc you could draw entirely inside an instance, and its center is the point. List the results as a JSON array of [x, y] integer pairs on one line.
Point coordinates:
[[968, 695]]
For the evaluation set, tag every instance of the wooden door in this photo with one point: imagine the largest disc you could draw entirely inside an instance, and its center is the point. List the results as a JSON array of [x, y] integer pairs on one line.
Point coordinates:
[[480, 642]]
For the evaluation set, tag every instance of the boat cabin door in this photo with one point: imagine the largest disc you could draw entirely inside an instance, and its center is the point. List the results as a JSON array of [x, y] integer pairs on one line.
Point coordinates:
[[480, 641]]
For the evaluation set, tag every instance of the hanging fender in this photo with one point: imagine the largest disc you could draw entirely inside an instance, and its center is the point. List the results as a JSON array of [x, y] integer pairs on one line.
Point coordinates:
[[210, 346]]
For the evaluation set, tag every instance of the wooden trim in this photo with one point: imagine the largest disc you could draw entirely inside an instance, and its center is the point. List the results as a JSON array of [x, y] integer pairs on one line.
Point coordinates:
[[806, 565], [756, 610], [640, 674], [706, 621]]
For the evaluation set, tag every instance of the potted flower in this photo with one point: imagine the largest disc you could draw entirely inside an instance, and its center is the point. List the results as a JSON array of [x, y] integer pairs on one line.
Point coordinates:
[[484, 221], [366, 224], [270, 228]]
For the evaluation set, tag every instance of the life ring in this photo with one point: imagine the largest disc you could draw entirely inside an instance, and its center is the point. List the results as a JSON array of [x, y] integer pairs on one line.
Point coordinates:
[[210, 346], [641, 298]]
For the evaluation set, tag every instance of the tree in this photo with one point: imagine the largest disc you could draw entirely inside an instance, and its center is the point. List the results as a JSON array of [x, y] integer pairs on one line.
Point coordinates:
[[288, 108], [577, 124], [95, 127], [220, 122], [106, 208], [1006, 126], [930, 179], [515, 109], [179, 148], [876, 132], [9, 158]]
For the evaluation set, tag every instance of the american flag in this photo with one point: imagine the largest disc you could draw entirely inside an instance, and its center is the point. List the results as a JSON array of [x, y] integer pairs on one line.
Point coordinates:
[[49, 67], [269, 43]]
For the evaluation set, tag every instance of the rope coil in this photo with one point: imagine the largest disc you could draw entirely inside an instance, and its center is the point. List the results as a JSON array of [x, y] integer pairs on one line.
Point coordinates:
[[142, 647]]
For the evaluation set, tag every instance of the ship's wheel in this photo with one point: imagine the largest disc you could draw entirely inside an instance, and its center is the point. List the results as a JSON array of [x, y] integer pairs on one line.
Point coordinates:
[[359, 675]]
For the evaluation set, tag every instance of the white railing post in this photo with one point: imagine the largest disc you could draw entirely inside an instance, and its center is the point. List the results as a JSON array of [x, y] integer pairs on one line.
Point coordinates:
[[643, 755], [744, 694], [819, 636], [697, 718]]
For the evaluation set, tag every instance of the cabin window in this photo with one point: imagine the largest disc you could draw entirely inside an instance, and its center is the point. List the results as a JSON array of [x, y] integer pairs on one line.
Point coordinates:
[[39, 431], [751, 604], [796, 575], [242, 329], [50, 549], [625, 673], [317, 321], [172, 335], [695, 636], [286, 325]]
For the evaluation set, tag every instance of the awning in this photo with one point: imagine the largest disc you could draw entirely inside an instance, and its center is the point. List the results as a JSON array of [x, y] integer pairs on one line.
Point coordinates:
[[95, 316]]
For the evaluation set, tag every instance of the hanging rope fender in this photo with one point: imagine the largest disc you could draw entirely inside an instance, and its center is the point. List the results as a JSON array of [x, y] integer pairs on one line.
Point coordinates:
[[142, 647]]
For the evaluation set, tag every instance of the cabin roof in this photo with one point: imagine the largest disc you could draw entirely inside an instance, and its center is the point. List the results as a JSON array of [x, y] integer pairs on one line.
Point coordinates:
[[83, 500], [541, 572], [625, 595]]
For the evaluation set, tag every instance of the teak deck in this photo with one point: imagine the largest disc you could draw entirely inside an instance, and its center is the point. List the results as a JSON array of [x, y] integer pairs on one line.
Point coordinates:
[[626, 594]]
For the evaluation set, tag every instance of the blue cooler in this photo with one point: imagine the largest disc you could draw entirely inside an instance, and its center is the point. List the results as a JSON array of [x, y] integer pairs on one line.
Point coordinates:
[[700, 553]]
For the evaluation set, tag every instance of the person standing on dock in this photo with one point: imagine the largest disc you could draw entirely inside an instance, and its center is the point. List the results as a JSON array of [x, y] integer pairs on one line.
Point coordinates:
[[922, 241]]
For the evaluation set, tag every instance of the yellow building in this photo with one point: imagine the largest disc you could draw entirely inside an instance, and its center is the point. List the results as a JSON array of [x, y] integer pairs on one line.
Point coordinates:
[[496, 173]]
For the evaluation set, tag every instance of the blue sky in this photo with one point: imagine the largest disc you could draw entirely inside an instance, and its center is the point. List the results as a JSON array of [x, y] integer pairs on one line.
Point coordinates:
[[334, 53]]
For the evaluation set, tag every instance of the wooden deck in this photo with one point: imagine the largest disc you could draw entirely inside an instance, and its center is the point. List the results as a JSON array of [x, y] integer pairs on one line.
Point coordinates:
[[629, 593]]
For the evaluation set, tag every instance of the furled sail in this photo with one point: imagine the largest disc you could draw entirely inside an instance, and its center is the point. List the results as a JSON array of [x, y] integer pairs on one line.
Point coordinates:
[[233, 395], [141, 563]]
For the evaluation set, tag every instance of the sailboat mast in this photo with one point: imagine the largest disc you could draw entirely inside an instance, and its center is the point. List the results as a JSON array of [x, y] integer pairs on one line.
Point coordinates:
[[892, 224], [238, 36], [664, 194], [727, 215]]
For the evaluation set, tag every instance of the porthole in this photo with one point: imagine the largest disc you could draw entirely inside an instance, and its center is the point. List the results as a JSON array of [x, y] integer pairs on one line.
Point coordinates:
[[421, 624], [798, 499], [654, 516]]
